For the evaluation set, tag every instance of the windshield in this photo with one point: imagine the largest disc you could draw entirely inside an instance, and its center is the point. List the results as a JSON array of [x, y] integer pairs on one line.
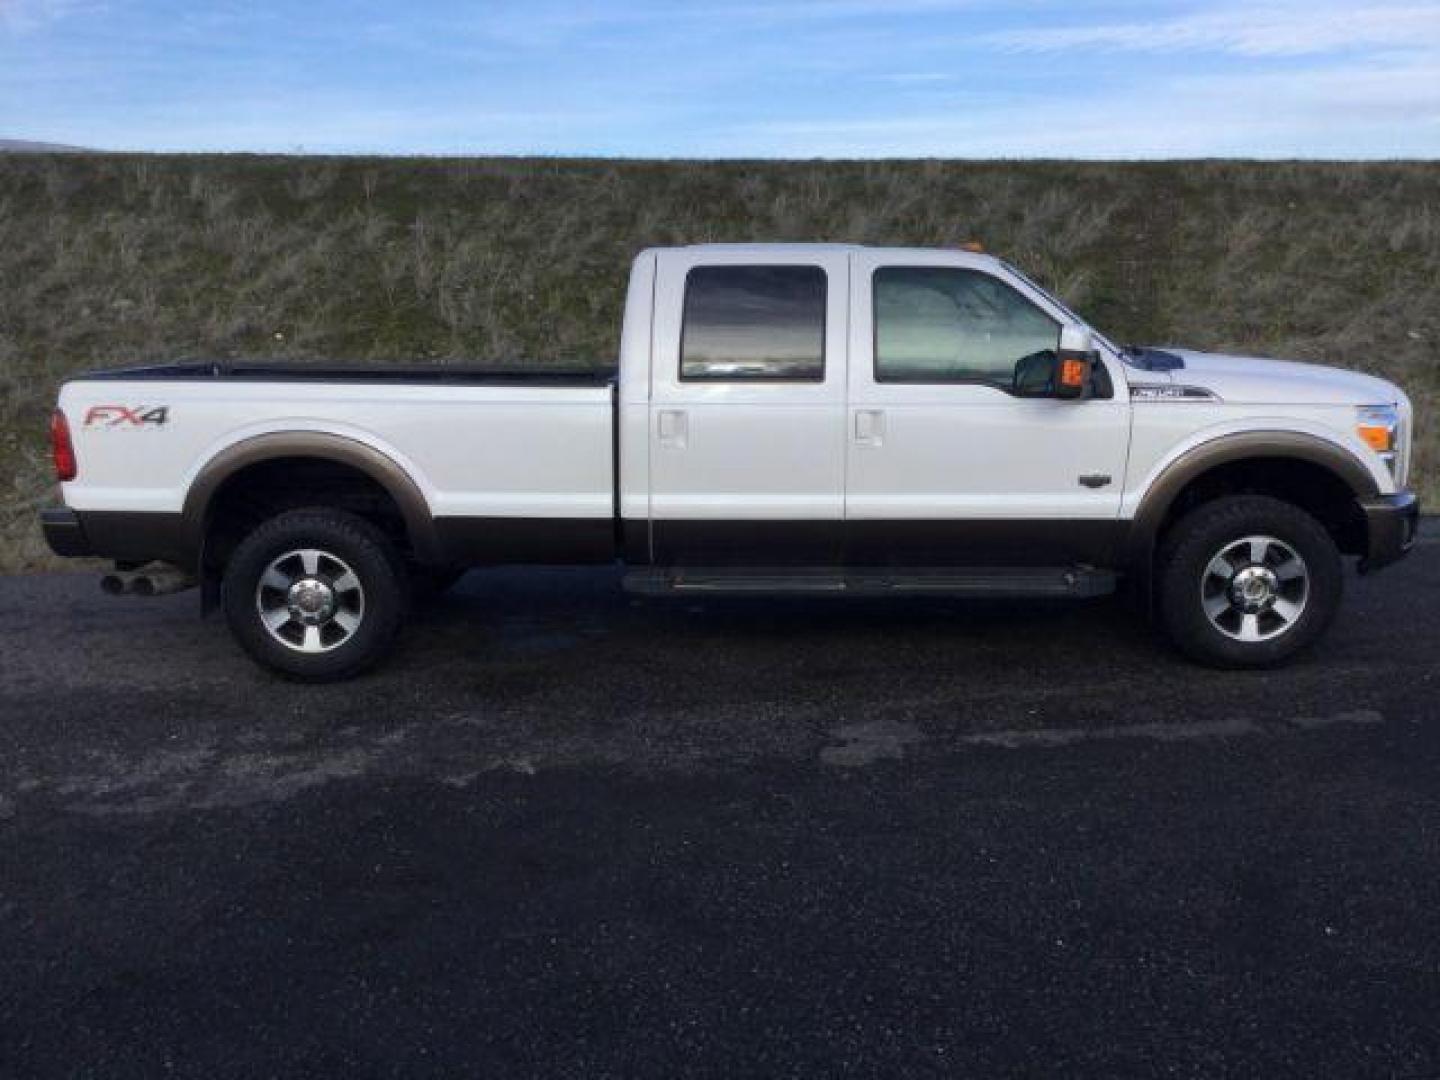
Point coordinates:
[[1061, 305]]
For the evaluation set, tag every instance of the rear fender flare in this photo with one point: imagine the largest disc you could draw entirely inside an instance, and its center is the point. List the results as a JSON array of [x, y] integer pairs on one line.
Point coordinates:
[[401, 487]]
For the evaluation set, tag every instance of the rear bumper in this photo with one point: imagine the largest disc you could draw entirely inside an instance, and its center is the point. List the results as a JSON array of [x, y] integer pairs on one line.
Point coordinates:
[[64, 532], [122, 535], [1390, 525]]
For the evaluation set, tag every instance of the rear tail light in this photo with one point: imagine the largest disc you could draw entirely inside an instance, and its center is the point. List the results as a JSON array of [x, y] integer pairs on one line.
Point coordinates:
[[61, 448]]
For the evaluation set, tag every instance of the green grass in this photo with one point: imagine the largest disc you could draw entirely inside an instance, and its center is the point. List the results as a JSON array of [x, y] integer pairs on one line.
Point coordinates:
[[112, 259]]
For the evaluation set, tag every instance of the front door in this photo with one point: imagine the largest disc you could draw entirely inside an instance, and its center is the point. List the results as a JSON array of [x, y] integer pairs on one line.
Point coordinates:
[[747, 408], [947, 466]]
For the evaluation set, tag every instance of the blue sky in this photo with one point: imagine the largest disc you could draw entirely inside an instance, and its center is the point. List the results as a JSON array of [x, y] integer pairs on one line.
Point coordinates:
[[728, 78]]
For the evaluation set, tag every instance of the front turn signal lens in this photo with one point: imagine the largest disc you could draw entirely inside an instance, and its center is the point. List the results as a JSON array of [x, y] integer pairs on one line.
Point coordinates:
[[1379, 439], [1378, 427]]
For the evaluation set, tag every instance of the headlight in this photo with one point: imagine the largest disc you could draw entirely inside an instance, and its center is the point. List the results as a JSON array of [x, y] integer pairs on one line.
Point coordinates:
[[1379, 428]]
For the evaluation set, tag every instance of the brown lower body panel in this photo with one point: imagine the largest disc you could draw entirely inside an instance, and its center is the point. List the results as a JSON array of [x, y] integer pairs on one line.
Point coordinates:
[[539, 541], [995, 543], [142, 537]]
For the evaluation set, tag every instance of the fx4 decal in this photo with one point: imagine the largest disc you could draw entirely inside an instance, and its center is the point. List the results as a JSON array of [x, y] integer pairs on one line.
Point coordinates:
[[114, 416]]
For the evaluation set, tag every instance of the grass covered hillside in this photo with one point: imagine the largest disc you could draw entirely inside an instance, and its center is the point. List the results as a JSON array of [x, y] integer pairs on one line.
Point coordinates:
[[110, 259]]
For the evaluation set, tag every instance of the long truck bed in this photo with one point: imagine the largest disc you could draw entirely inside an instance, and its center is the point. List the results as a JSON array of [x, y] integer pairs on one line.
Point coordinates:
[[503, 463]]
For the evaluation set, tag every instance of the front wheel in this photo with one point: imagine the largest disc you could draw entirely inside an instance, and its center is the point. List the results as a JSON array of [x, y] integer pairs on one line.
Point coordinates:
[[315, 594], [1247, 581]]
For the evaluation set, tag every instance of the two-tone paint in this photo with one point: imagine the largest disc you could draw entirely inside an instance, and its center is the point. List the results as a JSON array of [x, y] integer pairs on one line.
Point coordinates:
[[636, 463]]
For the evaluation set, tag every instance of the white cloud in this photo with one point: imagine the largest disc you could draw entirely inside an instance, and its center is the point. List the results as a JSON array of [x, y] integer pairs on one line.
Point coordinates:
[[1254, 30], [1350, 110]]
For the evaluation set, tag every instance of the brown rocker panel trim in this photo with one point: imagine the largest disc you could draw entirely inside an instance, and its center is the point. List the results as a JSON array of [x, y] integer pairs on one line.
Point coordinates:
[[737, 542], [635, 541], [985, 542], [469, 541], [958, 542], [479, 541], [1226, 450], [419, 525]]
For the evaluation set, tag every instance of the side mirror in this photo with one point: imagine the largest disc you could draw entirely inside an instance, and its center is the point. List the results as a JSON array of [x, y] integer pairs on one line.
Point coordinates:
[[1074, 362]]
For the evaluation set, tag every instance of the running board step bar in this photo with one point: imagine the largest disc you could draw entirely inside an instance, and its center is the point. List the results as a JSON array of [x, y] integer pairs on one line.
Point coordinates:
[[1074, 582]]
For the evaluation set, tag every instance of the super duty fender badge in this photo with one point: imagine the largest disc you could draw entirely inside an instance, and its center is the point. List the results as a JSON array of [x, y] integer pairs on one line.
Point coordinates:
[[122, 416], [1150, 392]]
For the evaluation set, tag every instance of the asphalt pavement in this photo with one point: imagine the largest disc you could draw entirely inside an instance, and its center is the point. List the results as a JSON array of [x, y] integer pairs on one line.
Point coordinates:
[[565, 833]]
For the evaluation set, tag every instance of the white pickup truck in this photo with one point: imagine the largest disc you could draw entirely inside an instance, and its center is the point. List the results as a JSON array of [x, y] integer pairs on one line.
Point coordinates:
[[785, 418]]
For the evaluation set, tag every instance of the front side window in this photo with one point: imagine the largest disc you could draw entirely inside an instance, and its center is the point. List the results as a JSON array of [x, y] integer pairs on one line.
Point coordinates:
[[754, 322], [941, 324]]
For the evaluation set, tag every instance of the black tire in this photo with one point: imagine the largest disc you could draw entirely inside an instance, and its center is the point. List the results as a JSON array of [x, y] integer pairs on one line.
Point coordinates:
[[375, 607], [429, 583], [1185, 582]]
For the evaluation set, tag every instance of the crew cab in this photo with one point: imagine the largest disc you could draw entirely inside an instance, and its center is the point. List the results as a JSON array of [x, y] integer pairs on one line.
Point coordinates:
[[803, 419]]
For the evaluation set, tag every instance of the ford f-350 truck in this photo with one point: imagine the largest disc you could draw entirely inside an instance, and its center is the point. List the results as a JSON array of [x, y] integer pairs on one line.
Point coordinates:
[[801, 419]]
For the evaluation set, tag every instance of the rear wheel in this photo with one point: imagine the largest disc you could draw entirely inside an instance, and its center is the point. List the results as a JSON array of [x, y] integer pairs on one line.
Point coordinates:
[[1247, 581], [316, 594]]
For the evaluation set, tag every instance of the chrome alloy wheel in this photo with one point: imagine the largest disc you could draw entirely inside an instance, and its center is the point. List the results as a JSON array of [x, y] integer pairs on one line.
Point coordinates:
[[310, 601], [1255, 589]]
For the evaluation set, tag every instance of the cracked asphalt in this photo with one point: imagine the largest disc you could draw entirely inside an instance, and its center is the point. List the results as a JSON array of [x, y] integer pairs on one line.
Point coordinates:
[[567, 833]]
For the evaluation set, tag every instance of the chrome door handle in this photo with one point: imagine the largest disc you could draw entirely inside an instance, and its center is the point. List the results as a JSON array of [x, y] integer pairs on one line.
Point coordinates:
[[870, 427], [673, 428]]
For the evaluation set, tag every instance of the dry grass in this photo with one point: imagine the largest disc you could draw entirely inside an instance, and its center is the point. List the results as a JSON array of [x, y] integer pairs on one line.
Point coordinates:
[[123, 259]]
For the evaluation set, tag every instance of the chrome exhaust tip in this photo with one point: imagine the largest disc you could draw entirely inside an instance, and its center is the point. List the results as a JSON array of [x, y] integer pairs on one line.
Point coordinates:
[[163, 581], [114, 584], [160, 581]]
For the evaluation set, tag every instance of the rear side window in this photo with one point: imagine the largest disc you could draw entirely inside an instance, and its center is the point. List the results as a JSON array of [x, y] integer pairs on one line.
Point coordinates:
[[754, 322], [938, 324]]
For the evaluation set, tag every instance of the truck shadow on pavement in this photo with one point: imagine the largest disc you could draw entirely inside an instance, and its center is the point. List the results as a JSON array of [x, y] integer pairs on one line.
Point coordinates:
[[529, 671], [573, 621]]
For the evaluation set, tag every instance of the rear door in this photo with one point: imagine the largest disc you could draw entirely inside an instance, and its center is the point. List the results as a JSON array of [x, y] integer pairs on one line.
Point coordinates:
[[946, 465], [747, 407]]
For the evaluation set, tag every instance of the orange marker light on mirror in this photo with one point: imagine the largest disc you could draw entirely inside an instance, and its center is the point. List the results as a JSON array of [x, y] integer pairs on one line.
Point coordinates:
[[1072, 372]]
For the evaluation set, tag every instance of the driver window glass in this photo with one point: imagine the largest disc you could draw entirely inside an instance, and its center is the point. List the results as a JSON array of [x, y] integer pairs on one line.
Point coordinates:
[[939, 324]]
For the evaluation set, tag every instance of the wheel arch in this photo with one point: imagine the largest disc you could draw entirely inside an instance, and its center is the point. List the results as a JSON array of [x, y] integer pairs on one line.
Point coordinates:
[[379, 468], [1235, 463]]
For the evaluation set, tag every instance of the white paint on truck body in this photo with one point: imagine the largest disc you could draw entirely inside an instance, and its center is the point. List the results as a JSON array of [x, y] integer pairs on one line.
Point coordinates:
[[846, 446], [474, 451]]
